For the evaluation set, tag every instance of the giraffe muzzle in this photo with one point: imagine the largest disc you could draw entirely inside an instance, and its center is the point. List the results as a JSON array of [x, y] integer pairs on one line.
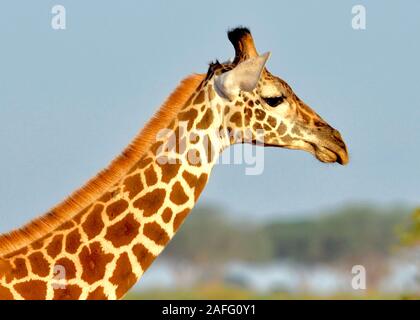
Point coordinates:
[[330, 147], [327, 155]]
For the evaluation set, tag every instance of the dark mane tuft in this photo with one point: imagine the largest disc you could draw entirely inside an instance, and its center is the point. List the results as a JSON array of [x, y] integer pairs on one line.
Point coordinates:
[[213, 66], [236, 34]]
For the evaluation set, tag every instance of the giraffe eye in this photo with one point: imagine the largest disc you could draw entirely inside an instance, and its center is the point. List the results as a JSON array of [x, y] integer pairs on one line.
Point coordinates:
[[274, 101]]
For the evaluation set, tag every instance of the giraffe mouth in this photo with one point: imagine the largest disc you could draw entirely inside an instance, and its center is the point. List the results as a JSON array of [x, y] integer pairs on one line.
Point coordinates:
[[329, 146], [324, 153], [329, 154]]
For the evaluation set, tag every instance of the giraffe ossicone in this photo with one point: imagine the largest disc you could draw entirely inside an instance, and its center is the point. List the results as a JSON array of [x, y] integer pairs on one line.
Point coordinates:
[[97, 243]]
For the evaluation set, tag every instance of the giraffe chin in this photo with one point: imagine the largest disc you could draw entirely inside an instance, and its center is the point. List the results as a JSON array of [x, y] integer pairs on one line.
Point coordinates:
[[323, 154], [326, 155]]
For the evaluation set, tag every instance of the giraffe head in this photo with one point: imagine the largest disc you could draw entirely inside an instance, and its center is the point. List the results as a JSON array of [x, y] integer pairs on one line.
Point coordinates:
[[265, 109]]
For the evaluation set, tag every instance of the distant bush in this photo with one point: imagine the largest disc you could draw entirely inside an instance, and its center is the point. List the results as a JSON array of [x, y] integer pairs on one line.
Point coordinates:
[[353, 231], [209, 236], [412, 236]]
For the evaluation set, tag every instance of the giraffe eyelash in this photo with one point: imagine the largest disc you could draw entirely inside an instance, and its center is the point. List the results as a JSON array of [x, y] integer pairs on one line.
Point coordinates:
[[274, 101]]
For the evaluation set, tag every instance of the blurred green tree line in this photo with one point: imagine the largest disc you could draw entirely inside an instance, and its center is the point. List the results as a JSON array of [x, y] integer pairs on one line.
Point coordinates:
[[209, 235], [411, 236]]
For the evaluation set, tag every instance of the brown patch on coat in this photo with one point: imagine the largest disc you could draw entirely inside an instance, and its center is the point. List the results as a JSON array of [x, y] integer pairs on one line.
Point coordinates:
[[179, 218], [210, 150], [123, 232], [248, 116], [206, 121], [154, 232], [272, 121], [116, 208], [296, 131], [150, 175], [157, 148], [167, 215], [201, 183], [68, 266], [281, 130], [123, 276], [169, 171], [287, 139], [189, 178], [133, 185], [19, 270], [144, 256], [5, 293], [257, 126], [143, 163], [73, 241], [32, 289], [94, 261], [236, 118], [93, 224], [39, 265], [70, 292], [150, 202], [97, 294], [5, 268], [200, 97], [55, 246], [259, 114], [189, 116], [178, 195]]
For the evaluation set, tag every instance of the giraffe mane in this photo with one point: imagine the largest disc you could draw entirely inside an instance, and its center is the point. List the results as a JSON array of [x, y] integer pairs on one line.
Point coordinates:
[[106, 178]]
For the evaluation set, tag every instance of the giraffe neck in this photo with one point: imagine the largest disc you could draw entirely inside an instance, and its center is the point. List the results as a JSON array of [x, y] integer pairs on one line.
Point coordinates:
[[105, 249]]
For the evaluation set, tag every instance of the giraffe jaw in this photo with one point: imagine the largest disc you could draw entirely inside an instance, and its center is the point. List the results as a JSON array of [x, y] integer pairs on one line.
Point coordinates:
[[328, 147], [326, 154], [330, 155], [323, 154]]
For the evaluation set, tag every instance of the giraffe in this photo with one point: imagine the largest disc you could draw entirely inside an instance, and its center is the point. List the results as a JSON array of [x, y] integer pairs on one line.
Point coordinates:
[[99, 241]]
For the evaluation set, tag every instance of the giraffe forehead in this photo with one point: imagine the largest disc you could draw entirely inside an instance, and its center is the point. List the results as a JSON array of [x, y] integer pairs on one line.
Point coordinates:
[[271, 86]]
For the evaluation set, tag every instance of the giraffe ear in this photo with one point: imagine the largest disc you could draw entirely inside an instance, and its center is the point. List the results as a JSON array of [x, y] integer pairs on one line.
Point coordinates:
[[244, 77]]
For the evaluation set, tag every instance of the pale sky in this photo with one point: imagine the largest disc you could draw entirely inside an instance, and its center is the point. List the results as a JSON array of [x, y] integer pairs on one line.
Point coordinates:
[[71, 100]]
